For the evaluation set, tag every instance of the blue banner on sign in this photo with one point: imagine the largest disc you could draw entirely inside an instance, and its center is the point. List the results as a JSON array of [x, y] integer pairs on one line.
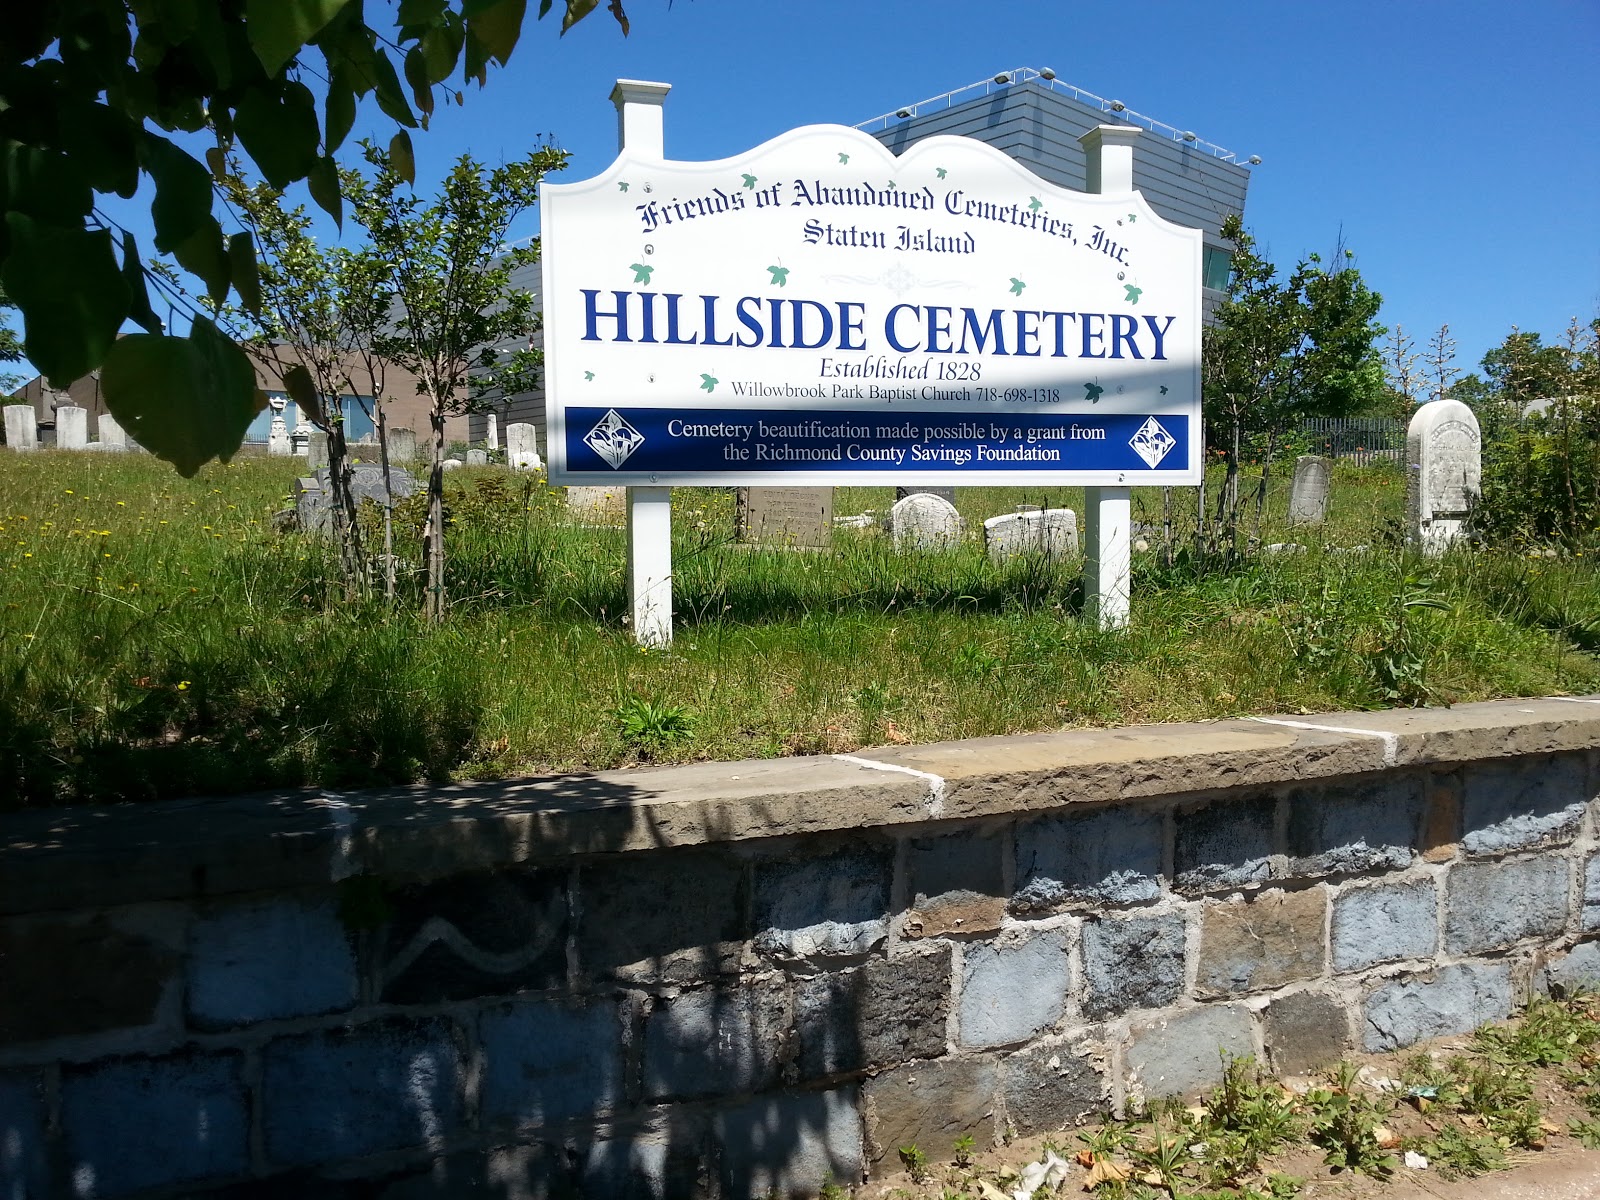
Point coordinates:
[[665, 441]]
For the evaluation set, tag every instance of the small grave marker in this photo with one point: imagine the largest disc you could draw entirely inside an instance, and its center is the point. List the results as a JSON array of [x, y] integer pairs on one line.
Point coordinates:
[[795, 516], [923, 521], [1444, 468], [522, 447], [1308, 495], [22, 427], [72, 427]]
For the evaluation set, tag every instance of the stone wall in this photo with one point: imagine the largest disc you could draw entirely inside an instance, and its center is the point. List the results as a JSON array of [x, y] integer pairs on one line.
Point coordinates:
[[738, 978]]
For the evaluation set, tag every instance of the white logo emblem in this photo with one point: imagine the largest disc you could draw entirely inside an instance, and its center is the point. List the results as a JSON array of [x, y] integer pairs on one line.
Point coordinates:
[[613, 439], [1152, 442]]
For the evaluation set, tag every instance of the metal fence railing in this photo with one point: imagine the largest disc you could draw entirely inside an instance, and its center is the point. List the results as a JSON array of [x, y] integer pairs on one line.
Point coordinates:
[[1360, 440]]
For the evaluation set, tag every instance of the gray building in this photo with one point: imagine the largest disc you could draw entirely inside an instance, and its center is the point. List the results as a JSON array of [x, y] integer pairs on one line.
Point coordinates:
[[1037, 120]]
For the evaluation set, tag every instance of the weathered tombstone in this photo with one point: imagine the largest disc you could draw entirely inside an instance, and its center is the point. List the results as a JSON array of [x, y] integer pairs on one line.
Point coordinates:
[[1444, 468], [1051, 532], [312, 512], [597, 505], [450, 464], [1308, 495], [366, 482], [785, 516], [923, 521], [944, 493], [22, 427], [402, 445], [72, 427], [316, 448], [278, 436], [522, 447], [493, 439], [477, 458], [112, 436]]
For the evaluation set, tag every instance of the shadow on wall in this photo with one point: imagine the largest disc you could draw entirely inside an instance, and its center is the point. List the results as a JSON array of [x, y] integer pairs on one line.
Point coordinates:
[[644, 1024]]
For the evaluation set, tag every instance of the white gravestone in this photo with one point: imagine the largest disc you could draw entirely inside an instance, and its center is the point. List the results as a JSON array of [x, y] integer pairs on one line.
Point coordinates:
[[278, 435], [1444, 468], [112, 436], [22, 427], [72, 427], [1052, 532], [923, 521], [522, 447], [1308, 495], [402, 445], [493, 440], [477, 458]]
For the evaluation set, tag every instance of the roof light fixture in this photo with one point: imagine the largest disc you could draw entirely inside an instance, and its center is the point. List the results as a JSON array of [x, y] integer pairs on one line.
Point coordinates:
[[1255, 160], [1188, 135], [1002, 78], [1046, 73], [1117, 106], [902, 112]]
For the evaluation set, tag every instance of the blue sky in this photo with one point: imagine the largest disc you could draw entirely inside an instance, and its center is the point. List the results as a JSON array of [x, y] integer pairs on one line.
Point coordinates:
[[1454, 144]]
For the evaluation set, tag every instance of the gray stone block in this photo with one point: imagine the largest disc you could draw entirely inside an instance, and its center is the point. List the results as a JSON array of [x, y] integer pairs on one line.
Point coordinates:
[[885, 1012], [1013, 988], [645, 1165], [385, 1085], [1591, 894], [713, 1042], [1181, 1055], [790, 1145], [546, 1061], [57, 970], [1109, 856], [829, 906], [672, 917], [1534, 802], [1050, 1085], [929, 1105], [1380, 924], [1132, 963], [1224, 845], [138, 1123], [1579, 967], [268, 959], [523, 1172], [1489, 905], [1265, 942], [1375, 827], [1304, 1031], [955, 885], [24, 1170], [483, 934], [1450, 1000]]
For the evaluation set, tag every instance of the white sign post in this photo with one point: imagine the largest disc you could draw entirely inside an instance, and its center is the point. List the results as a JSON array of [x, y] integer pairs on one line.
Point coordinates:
[[818, 311]]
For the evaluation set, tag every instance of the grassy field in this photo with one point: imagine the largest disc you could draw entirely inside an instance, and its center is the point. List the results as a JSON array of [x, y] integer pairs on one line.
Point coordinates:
[[159, 638]]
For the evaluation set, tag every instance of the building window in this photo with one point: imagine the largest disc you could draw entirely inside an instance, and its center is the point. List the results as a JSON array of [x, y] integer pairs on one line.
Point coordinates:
[[1215, 268]]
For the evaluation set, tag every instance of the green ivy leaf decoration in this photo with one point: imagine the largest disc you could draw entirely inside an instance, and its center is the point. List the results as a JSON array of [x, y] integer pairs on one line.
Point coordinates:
[[749, 181], [622, 187], [1035, 204], [843, 157], [1016, 286], [780, 276], [1133, 293], [940, 171], [588, 375], [641, 272], [1091, 392], [708, 383]]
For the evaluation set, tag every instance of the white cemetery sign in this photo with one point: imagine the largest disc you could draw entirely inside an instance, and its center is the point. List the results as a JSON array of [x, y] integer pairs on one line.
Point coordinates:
[[819, 311]]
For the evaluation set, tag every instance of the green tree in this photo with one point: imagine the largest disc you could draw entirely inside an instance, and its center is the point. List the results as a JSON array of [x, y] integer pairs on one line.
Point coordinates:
[[318, 314], [1284, 349], [450, 274], [93, 88], [10, 348]]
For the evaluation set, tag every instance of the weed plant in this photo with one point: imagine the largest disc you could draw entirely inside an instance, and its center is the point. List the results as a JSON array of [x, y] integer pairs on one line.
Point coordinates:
[[160, 637]]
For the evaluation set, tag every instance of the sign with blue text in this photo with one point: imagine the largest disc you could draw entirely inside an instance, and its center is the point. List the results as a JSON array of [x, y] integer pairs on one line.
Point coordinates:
[[819, 311]]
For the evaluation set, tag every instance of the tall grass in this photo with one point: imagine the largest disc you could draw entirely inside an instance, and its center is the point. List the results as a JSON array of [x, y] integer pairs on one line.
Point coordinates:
[[159, 637]]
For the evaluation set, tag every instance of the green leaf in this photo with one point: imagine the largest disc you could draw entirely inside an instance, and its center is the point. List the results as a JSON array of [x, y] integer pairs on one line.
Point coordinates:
[[391, 99], [441, 47], [339, 114], [416, 67], [242, 264], [303, 391], [204, 254], [323, 180], [182, 202], [577, 10], [279, 132], [279, 28], [71, 293], [139, 309], [187, 400], [45, 184], [401, 158], [420, 12], [497, 24]]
